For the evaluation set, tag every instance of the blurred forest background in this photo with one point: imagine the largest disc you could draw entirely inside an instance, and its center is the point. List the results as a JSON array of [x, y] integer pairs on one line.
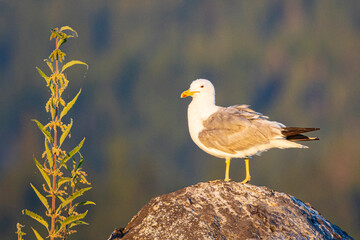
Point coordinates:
[[296, 61]]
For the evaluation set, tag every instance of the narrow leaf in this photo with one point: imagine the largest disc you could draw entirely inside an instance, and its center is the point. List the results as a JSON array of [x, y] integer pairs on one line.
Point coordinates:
[[60, 206], [69, 105], [74, 196], [66, 132], [48, 154], [61, 42], [36, 217], [80, 162], [43, 173], [66, 167], [41, 197], [72, 152], [44, 131], [38, 237], [63, 180], [85, 203], [68, 28], [52, 108], [43, 75], [52, 87], [61, 198], [72, 219], [76, 223], [49, 64], [73, 62]]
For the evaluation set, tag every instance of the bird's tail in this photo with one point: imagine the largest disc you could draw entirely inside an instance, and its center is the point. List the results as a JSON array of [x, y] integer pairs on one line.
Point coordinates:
[[294, 134]]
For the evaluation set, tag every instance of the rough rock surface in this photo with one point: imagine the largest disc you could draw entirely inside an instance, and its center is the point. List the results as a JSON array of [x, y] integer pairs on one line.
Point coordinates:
[[228, 210]]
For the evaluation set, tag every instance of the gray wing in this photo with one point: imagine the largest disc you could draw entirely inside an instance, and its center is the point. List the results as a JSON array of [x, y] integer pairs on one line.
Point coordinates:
[[237, 128]]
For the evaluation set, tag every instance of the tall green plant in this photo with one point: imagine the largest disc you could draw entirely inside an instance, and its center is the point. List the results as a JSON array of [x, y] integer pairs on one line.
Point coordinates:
[[64, 178]]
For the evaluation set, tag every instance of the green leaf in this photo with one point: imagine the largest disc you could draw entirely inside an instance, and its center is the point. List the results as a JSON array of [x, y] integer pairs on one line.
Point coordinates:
[[80, 162], [63, 180], [73, 62], [68, 28], [52, 87], [42, 198], [49, 64], [43, 75], [69, 105], [61, 42], [71, 219], [52, 109], [66, 167], [66, 132], [43, 173], [38, 237], [85, 203], [62, 200], [74, 196], [43, 130], [60, 206], [36, 217], [76, 223], [72, 153], [48, 154]]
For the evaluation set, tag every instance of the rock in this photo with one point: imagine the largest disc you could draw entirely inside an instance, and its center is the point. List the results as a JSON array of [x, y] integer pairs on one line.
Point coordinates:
[[228, 210]]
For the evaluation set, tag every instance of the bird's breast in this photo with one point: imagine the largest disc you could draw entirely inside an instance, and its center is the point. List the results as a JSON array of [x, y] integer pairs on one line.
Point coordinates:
[[195, 124], [197, 113]]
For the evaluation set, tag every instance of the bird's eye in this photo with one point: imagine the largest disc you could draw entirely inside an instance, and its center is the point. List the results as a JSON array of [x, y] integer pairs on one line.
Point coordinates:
[[202, 86]]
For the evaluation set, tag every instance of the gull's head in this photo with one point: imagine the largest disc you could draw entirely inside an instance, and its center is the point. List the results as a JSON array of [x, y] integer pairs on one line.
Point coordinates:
[[200, 88]]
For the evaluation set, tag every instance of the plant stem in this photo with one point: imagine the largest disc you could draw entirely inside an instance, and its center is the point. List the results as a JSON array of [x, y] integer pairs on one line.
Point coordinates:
[[55, 146]]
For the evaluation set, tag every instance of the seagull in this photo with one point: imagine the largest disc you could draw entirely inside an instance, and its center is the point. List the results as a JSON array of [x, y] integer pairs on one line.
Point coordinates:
[[236, 131]]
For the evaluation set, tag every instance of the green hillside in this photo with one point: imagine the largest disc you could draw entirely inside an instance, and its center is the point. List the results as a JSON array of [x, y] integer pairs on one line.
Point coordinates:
[[295, 61]]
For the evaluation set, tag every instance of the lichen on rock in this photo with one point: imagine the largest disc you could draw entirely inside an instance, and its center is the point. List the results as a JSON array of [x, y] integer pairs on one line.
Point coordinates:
[[228, 210]]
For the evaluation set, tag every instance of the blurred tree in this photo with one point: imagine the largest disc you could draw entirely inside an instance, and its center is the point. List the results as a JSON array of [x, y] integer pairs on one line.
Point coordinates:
[[297, 62]]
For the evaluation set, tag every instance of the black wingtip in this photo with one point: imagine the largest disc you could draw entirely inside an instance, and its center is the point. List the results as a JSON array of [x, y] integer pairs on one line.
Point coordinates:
[[296, 134], [290, 131]]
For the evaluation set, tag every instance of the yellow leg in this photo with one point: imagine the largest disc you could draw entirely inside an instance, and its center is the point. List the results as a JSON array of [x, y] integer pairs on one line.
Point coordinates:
[[248, 177], [227, 161]]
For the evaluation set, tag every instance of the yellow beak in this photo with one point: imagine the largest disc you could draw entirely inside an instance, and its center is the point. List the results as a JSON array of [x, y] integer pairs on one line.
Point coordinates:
[[187, 93]]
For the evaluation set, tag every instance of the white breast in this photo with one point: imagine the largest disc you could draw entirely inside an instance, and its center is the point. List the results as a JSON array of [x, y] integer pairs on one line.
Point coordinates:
[[197, 113]]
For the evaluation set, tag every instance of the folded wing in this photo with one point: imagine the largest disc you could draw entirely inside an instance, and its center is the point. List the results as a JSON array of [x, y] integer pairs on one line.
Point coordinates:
[[238, 128]]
